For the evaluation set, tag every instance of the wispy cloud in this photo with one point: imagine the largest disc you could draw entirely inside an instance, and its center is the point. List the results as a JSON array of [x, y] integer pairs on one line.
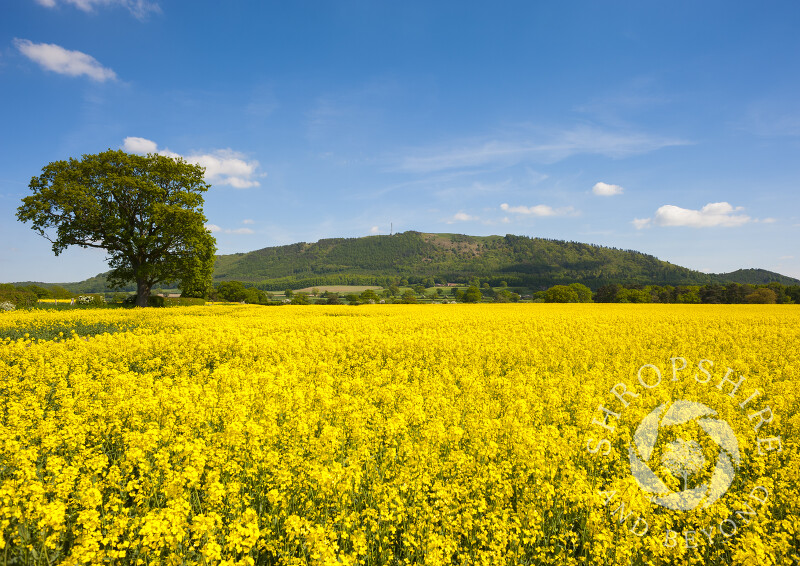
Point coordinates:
[[550, 148], [461, 217], [63, 61], [711, 215], [606, 190], [776, 117], [223, 166], [538, 210], [213, 228], [139, 8]]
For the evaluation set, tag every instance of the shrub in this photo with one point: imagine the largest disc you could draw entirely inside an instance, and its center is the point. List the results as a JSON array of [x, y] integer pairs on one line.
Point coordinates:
[[17, 296], [183, 302]]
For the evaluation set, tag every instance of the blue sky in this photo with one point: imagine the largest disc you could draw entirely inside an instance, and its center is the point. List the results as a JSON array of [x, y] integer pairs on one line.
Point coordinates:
[[671, 128]]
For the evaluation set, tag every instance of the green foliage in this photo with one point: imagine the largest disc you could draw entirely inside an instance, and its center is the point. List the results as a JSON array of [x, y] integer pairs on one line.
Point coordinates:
[[300, 299], [231, 291], [731, 293], [422, 259], [145, 211], [61, 330], [561, 294], [634, 296], [762, 296], [183, 302], [490, 262], [583, 292], [409, 297], [59, 292], [369, 296], [155, 301], [332, 298], [472, 295], [20, 297]]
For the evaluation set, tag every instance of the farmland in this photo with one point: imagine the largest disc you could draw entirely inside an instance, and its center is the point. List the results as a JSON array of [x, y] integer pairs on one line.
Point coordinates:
[[396, 434]]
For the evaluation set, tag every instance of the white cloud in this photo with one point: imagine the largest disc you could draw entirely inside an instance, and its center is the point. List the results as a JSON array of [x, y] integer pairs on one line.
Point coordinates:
[[63, 61], [223, 166], [213, 228], [139, 8], [606, 190], [712, 214], [248, 221], [461, 217], [538, 210], [374, 230], [551, 147], [140, 145]]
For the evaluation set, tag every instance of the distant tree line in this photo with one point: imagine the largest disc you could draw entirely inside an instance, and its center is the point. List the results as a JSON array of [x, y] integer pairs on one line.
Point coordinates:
[[730, 293]]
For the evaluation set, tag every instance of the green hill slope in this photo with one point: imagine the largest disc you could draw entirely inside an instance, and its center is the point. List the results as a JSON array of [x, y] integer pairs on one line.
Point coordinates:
[[422, 258], [518, 260]]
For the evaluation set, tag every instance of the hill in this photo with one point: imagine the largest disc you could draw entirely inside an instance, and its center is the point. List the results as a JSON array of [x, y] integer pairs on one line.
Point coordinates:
[[418, 257]]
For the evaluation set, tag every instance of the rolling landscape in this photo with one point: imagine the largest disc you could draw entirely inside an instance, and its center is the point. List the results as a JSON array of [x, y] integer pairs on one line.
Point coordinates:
[[284, 336], [520, 261]]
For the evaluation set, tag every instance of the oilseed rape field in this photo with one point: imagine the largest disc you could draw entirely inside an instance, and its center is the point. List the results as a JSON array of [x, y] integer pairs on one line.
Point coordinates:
[[401, 434]]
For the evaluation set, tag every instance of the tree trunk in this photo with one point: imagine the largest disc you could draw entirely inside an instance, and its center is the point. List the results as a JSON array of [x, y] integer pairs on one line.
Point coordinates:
[[142, 292]]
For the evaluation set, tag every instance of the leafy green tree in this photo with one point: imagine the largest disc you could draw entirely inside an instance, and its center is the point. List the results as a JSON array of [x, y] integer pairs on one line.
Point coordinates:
[[255, 296], [607, 294], [712, 294], [418, 289], [300, 299], [688, 295], [637, 296], [145, 211], [288, 293], [232, 291], [561, 294], [472, 295], [409, 297], [780, 292], [502, 296], [583, 292], [761, 296], [40, 292], [60, 292], [18, 296], [369, 295], [793, 292]]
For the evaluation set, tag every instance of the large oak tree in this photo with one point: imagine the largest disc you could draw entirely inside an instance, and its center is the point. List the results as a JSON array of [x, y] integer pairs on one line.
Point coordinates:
[[145, 211]]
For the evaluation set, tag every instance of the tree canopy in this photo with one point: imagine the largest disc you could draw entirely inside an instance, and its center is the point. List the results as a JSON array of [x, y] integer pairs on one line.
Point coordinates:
[[145, 211]]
